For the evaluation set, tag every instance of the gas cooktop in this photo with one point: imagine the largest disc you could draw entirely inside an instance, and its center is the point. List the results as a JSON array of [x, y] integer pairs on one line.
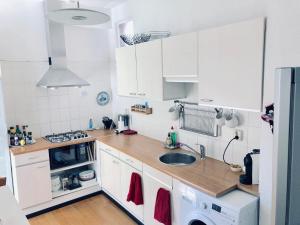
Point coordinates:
[[68, 136]]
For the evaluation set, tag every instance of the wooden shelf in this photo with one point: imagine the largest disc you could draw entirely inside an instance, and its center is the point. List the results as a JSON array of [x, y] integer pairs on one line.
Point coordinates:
[[62, 193], [146, 111], [72, 167]]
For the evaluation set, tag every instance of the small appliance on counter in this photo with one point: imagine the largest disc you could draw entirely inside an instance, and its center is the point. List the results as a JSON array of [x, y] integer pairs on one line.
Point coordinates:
[[251, 162], [108, 123], [123, 122]]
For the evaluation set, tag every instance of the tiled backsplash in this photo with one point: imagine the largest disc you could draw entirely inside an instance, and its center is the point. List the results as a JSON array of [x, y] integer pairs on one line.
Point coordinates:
[[53, 111], [158, 124], [250, 125]]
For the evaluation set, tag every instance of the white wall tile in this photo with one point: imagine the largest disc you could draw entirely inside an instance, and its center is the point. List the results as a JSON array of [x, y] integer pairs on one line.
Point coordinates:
[[42, 103], [253, 138], [255, 119], [238, 152], [53, 111], [45, 129]]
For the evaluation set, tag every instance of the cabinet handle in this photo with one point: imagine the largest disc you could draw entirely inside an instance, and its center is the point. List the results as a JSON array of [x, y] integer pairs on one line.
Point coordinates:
[[41, 167], [132, 93], [129, 160], [206, 100], [141, 94], [115, 162], [33, 157]]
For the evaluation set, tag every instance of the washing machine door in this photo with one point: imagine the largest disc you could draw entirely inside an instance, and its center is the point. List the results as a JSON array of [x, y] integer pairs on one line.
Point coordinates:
[[197, 218]]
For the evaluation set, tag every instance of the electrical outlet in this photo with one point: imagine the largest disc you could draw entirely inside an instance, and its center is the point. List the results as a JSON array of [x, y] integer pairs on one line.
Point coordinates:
[[239, 133]]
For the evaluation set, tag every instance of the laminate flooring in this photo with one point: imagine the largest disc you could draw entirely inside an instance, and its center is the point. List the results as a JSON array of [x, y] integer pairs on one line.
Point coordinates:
[[97, 210]]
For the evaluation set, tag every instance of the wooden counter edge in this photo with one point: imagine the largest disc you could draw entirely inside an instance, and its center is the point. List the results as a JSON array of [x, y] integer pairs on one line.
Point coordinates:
[[2, 181], [251, 189]]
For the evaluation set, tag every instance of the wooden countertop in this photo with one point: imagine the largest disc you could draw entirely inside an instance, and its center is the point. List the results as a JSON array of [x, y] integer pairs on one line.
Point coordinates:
[[42, 144], [209, 176]]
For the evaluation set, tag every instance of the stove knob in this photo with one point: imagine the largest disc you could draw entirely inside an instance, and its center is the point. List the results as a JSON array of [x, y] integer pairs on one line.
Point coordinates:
[[203, 205], [75, 137], [85, 135]]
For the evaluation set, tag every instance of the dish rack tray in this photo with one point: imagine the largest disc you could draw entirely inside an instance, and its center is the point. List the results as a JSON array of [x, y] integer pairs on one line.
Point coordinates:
[[200, 121]]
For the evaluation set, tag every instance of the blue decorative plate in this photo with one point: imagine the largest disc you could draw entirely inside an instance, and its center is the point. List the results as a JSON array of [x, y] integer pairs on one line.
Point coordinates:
[[103, 98]]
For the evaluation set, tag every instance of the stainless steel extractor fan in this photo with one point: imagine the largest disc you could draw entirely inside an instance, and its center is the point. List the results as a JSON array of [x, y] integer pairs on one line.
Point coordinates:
[[58, 74]]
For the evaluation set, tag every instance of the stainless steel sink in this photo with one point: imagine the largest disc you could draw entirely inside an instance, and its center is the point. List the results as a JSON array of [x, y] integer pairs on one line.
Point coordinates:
[[177, 158]]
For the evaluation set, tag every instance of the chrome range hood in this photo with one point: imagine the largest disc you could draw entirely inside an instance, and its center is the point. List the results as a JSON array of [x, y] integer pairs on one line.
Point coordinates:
[[58, 74]]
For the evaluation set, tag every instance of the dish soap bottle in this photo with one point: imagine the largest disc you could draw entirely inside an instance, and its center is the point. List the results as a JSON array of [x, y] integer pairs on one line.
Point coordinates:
[[169, 140], [91, 124], [173, 135]]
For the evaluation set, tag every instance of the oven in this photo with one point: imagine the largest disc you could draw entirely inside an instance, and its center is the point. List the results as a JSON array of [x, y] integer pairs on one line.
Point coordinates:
[[70, 155]]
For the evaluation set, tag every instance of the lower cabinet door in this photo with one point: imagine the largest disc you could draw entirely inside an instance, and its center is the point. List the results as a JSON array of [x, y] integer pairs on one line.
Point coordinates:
[[111, 175], [33, 184], [126, 171], [151, 185]]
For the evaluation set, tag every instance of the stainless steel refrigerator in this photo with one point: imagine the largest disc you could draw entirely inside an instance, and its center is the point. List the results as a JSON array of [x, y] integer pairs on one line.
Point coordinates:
[[286, 157]]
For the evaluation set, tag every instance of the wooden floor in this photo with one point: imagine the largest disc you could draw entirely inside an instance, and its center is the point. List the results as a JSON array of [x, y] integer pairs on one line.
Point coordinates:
[[97, 210]]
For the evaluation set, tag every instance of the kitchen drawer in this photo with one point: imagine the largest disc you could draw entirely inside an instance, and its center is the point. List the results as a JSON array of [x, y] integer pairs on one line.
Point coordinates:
[[131, 161], [30, 158], [114, 152], [158, 176]]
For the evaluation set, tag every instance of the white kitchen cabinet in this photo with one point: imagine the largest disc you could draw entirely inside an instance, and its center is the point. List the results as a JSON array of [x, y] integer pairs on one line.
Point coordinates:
[[231, 65], [153, 180], [139, 71], [126, 71], [149, 70], [126, 171], [111, 174], [33, 184], [180, 57], [149, 74]]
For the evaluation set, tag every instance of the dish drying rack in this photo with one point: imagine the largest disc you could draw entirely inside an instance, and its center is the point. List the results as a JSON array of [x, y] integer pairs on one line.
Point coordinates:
[[195, 119]]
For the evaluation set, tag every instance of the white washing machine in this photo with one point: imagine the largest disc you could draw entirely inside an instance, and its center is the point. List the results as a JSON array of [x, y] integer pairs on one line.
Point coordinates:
[[192, 207]]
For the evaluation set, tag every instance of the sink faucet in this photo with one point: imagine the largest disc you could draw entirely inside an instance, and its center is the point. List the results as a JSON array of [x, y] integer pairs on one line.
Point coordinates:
[[201, 151]]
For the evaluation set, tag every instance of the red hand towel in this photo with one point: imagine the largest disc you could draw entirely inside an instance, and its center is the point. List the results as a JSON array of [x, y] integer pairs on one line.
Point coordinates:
[[135, 193], [162, 211]]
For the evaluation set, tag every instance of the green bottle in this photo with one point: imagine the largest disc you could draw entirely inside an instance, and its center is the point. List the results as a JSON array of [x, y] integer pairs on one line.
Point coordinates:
[[173, 136]]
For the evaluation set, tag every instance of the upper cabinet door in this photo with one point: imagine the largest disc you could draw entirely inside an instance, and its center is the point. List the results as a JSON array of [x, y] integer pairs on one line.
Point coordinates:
[[180, 56], [231, 65], [149, 70], [126, 70]]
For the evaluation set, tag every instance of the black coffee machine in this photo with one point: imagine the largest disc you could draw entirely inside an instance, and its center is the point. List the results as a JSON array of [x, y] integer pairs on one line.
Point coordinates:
[[248, 163]]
